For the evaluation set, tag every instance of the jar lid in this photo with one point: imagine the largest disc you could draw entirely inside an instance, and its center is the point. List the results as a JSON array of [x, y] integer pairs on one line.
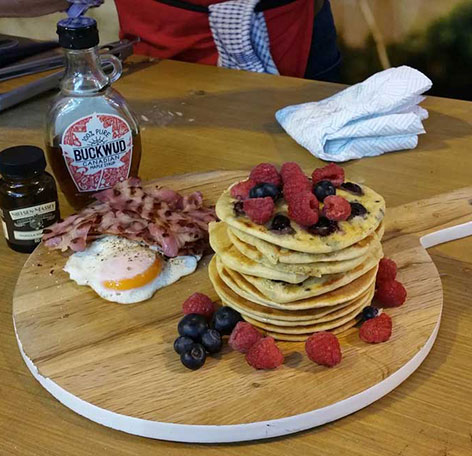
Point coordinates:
[[77, 32], [22, 161]]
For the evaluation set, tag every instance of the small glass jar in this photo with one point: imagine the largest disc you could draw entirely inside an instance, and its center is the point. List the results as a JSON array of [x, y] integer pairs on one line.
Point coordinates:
[[28, 197]]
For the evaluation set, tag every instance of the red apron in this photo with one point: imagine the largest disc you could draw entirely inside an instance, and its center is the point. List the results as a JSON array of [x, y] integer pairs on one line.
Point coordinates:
[[170, 32]]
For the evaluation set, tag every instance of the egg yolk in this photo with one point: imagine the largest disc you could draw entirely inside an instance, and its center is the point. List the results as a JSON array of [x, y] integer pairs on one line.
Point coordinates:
[[136, 281]]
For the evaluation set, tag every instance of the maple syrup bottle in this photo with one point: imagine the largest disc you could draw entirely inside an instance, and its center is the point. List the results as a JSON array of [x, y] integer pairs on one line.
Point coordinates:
[[92, 137]]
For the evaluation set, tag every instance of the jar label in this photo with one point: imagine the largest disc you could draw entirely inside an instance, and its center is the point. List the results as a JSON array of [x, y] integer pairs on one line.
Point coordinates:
[[27, 212], [27, 223], [28, 235], [97, 150]]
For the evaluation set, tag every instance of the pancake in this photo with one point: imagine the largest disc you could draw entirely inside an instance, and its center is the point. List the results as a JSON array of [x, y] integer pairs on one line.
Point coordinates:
[[307, 329], [349, 233], [283, 292], [275, 254], [282, 317], [338, 297], [309, 269], [303, 337], [234, 259], [348, 309]]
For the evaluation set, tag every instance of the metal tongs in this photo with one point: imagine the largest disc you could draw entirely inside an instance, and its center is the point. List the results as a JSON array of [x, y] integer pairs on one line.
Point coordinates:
[[121, 49]]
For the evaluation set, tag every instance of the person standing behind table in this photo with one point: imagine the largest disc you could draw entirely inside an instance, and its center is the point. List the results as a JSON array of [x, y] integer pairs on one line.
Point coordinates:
[[302, 35]]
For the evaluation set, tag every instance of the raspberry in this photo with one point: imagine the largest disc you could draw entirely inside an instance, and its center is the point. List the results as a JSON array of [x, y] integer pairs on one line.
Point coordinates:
[[294, 188], [259, 210], [387, 270], [265, 172], [390, 293], [303, 209], [243, 337], [290, 170], [198, 303], [323, 348], [331, 172], [294, 180], [375, 330], [241, 191], [336, 208], [265, 354]]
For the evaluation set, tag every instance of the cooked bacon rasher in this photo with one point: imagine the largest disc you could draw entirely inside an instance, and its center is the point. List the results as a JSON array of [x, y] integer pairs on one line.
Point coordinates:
[[157, 216]]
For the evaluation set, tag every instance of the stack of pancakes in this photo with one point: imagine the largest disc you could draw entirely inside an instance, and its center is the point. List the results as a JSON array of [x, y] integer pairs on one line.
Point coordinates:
[[292, 284]]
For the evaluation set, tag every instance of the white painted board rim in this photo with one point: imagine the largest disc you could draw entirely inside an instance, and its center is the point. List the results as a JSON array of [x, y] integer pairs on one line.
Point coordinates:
[[191, 433]]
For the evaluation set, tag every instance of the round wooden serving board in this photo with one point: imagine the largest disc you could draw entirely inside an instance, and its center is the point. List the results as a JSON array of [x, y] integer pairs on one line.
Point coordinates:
[[115, 364]]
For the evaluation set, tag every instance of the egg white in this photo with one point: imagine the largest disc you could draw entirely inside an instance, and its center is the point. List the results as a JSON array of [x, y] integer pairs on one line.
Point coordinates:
[[83, 268]]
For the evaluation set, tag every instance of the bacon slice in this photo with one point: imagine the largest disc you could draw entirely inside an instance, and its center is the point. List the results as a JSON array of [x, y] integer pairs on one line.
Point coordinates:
[[157, 216]]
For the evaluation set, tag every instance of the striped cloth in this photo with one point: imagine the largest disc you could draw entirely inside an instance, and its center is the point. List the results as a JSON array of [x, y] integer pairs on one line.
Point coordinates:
[[241, 36]]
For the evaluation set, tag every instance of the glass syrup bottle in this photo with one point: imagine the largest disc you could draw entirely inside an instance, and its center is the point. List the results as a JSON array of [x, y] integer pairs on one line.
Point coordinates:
[[92, 138]]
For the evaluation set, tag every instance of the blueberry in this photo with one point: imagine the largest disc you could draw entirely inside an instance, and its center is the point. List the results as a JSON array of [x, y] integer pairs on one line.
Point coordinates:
[[194, 358], [225, 319], [369, 312], [323, 189], [324, 227], [183, 344], [192, 326], [353, 188], [238, 208], [262, 190], [357, 209], [212, 341], [281, 223]]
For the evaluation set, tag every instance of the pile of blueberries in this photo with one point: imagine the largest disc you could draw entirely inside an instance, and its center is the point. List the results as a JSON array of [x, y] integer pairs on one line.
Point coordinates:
[[197, 337]]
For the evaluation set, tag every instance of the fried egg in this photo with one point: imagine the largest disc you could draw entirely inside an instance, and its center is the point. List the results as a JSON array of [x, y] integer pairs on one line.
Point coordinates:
[[125, 271]]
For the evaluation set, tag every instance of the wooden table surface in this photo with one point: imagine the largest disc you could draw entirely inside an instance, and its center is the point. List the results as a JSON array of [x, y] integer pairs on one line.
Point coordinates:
[[197, 118]]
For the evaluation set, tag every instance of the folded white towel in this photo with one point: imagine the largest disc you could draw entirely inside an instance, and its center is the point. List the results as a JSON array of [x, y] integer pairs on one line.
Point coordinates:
[[370, 118]]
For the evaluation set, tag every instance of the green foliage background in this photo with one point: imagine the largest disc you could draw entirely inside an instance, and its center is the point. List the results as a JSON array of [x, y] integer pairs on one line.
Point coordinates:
[[443, 52]]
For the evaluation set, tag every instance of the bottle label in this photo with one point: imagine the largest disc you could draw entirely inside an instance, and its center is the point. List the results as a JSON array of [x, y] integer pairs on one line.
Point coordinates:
[[27, 223], [97, 150]]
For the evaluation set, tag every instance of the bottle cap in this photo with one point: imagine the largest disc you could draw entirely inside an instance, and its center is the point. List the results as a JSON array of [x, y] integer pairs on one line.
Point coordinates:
[[22, 161], [77, 32]]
